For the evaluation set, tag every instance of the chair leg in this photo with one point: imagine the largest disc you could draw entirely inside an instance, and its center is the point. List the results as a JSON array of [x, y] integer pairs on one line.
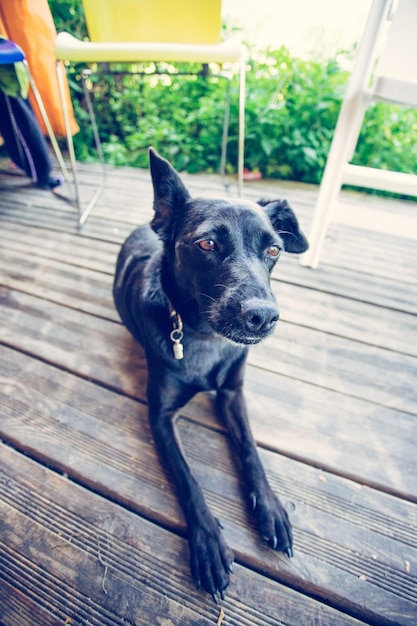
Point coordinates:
[[345, 136], [85, 74], [346, 133], [241, 139], [70, 143], [225, 135], [241, 132], [91, 204], [47, 123], [83, 213]]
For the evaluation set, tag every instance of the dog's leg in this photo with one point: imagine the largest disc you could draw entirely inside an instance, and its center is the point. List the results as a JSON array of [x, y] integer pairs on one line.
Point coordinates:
[[211, 558], [273, 523]]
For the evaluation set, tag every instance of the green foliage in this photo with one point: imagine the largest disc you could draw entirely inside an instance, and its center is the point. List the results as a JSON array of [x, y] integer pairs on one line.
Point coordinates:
[[69, 15], [291, 111], [388, 139]]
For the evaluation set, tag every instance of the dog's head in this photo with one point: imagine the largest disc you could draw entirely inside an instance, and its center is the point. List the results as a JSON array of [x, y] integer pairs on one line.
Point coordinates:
[[219, 254]]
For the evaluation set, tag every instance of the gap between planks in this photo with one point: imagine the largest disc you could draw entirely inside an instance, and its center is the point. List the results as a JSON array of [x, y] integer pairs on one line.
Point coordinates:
[[104, 442], [77, 558]]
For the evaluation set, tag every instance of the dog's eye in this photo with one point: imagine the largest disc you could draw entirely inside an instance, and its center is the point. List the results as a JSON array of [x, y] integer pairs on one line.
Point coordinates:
[[207, 244], [273, 251]]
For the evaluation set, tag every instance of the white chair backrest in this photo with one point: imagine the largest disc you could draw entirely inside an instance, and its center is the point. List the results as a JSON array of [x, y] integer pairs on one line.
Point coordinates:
[[398, 58]]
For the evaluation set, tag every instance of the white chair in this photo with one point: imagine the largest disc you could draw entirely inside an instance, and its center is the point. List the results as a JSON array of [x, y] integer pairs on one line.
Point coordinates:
[[132, 31], [384, 71]]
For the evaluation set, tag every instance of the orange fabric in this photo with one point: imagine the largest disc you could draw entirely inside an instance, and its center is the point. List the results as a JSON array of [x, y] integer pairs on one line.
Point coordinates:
[[29, 23]]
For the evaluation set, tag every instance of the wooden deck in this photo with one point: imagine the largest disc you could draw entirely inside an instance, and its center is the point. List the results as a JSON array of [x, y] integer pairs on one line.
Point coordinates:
[[91, 532]]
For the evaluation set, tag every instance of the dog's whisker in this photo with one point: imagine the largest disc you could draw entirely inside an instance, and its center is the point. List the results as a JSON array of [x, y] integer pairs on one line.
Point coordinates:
[[205, 295]]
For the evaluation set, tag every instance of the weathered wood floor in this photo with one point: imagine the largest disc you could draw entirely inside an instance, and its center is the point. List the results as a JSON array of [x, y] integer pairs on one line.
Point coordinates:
[[90, 529]]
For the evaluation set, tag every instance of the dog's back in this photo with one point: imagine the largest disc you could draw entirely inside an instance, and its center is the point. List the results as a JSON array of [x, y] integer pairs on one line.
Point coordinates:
[[137, 275]]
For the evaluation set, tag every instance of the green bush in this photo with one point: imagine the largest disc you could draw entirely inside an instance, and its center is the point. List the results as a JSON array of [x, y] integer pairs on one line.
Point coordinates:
[[291, 111], [292, 107]]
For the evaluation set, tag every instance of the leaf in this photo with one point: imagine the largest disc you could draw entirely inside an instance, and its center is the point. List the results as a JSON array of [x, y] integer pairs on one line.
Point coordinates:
[[268, 145]]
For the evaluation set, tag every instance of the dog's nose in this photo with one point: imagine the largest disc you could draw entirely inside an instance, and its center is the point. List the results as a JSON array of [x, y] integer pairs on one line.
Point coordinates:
[[259, 317]]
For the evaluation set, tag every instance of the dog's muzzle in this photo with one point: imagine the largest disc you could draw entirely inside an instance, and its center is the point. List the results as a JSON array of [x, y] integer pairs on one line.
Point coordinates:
[[248, 322], [258, 318]]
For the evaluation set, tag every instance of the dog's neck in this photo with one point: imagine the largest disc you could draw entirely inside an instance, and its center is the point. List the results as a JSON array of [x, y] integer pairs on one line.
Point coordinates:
[[176, 333], [184, 313]]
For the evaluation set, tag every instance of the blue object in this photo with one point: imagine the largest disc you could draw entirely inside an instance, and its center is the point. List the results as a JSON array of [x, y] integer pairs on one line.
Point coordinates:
[[10, 52]]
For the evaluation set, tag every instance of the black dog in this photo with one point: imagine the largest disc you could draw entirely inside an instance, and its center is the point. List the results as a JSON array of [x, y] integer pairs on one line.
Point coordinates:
[[193, 288]]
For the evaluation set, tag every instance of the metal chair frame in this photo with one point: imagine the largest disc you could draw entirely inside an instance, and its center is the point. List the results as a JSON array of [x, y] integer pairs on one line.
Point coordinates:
[[84, 211], [72, 50]]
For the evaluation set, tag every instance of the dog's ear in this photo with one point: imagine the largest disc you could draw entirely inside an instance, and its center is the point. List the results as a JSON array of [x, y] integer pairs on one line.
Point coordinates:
[[285, 223], [170, 194]]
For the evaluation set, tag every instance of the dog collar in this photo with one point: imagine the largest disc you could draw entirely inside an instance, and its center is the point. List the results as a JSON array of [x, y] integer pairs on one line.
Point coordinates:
[[176, 333]]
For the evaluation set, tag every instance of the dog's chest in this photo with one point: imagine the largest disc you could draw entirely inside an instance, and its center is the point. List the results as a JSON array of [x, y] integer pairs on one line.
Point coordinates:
[[206, 365]]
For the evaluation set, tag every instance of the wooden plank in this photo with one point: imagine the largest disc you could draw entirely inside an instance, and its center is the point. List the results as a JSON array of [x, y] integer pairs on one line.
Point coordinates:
[[355, 438], [324, 394], [370, 252], [345, 282], [360, 321], [339, 281], [75, 250], [48, 210], [123, 197], [310, 424], [87, 290], [71, 557], [104, 351], [391, 293], [307, 307], [347, 537], [352, 368], [350, 246], [92, 347], [52, 220], [355, 248]]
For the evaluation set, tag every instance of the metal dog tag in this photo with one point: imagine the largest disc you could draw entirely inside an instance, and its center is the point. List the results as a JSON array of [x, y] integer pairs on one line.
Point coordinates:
[[178, 349], [176, 335]]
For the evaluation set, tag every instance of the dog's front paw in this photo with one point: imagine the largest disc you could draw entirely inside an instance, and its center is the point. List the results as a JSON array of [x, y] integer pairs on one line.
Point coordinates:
[[273, 522], [211, 559]]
